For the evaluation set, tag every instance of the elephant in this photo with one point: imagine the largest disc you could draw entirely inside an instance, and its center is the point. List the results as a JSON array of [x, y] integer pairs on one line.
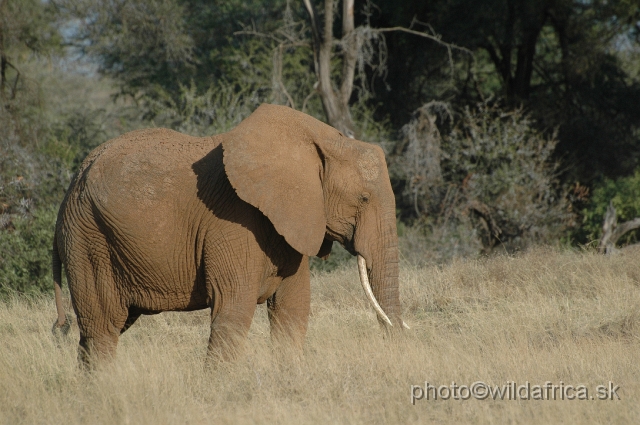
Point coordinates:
[[155, 220]]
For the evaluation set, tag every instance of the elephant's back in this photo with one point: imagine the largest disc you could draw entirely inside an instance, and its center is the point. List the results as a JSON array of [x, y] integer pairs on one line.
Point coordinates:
[[136, 193], [139, 181], [159, 146], [142, 164]]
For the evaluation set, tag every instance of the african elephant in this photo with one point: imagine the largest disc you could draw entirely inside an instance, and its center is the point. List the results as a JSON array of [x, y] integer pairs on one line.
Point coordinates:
[[156, 220]]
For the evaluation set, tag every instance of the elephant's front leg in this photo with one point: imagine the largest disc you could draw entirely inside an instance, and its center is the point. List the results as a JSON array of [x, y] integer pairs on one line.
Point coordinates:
[[232, 287], [230, 322], [289, 307]]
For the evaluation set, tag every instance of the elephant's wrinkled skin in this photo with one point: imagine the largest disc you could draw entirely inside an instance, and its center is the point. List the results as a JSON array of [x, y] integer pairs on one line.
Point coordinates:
[[156, 220]]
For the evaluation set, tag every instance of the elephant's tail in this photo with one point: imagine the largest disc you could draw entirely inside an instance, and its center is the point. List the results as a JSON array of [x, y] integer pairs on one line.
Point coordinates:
[[62, 322]]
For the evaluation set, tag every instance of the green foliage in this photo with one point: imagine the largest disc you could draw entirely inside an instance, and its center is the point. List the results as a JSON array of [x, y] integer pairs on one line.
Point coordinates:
[[26, 25], [624, 194], [149, 44], [51, 116], [47, 130], [26, 249], [139, 43]]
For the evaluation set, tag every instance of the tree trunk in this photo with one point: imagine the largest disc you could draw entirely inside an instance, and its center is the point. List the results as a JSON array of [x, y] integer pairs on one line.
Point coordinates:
[[517, 83], [335, 102], [3, 61], [3, 73]]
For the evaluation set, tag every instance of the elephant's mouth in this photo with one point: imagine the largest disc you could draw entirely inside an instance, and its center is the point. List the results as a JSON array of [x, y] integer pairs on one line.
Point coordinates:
[[349, 246], [344, 238]]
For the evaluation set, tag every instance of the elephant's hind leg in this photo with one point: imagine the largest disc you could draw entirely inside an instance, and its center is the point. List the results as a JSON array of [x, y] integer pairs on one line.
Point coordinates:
[[100, 309], [99, 336]]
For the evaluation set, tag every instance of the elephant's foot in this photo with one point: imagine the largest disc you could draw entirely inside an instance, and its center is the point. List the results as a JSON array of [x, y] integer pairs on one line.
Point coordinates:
[[96, 351], [288, 335], [229, 330]]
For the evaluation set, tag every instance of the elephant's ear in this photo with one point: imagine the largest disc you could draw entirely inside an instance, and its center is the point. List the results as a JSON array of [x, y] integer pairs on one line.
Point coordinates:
[[273, 164]]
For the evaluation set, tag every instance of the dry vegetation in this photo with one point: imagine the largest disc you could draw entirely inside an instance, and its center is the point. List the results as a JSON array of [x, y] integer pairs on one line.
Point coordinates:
[[542, 316]]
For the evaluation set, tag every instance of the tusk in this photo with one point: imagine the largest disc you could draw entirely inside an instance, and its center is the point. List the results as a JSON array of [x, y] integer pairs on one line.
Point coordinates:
[[404, 325], [364, 279]]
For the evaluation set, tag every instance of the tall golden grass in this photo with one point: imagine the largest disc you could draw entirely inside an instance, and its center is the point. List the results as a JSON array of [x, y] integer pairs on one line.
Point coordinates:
[[542, 316]]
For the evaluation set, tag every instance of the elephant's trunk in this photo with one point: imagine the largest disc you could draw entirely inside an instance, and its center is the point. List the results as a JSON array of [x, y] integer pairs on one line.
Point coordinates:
[[364, 280], [378, 268]]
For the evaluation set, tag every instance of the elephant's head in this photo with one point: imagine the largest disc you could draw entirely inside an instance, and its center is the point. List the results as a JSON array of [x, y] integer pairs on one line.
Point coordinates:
[[317, 186]]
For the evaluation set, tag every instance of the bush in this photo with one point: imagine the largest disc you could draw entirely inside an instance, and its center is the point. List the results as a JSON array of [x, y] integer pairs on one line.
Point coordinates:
[[500, 160], [26, 249], [624, 194], [489, 180], [46, 129]]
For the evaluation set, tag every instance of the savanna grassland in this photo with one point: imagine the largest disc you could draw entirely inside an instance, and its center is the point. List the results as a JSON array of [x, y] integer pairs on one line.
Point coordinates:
[[546, 315]]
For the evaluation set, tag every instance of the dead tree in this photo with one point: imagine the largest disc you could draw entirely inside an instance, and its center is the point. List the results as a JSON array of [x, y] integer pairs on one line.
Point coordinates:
[[359, 47], [612, 232], [335, 100]]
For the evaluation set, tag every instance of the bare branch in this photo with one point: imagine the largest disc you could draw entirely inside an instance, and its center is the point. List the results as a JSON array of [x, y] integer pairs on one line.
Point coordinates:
[[350, 50], [306, 99], [15, 83], [435, 38], [625, 227], [327, 36], [292, 43], [315, 33], [313, 18], [277, 75], [611, 232], [488, 222], [347, 16], [5, 63]]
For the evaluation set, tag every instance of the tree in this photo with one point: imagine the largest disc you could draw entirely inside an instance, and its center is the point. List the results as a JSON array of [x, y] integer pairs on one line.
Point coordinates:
[[140, 43], [335, 101], [356, 47], [560, 59], [25, 26]]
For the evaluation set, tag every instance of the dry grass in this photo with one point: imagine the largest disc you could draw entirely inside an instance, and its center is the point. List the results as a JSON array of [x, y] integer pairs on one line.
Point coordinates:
[[543, 316]]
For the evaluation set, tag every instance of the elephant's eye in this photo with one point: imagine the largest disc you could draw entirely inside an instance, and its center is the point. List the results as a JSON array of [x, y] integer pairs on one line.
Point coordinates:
[[364, 198]]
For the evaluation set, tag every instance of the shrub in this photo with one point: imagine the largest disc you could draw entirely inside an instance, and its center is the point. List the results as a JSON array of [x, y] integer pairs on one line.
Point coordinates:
[[25, 253], [624, 194], [501, 161], [489, 180], [217, 110]]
